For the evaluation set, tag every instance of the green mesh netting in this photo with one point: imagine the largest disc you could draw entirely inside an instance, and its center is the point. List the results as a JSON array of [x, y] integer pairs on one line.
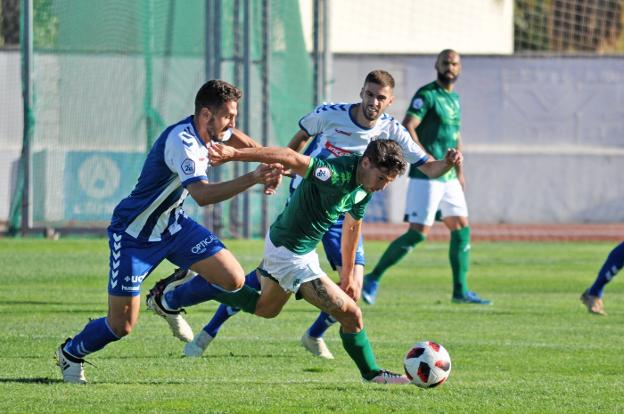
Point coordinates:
[[109, 75]]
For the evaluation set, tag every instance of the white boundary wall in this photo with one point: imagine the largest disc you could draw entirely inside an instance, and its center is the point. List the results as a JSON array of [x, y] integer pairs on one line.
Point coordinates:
[[544, 137]]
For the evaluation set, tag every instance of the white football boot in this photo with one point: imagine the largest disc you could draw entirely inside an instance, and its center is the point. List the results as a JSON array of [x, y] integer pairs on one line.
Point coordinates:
[[198, 345], [178, 325], [72, 368], [316, 346]]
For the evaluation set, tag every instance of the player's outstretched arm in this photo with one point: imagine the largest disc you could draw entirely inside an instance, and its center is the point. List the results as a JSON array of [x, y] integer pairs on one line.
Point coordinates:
[[293, 160], [205, 193], [241, 140], [436, 168]]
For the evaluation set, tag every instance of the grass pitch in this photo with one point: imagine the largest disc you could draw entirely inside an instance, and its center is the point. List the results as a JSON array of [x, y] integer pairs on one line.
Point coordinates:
[[535, 350]]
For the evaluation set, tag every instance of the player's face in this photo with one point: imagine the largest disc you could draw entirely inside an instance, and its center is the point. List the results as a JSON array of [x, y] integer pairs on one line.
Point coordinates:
[[448, 67], [375, 100], [374, 178], [222, 119]]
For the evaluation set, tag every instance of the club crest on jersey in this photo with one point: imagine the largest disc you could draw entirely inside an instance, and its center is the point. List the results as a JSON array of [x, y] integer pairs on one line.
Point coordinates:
[[322, 173], [417, 103], [188, 166], [359, 196]]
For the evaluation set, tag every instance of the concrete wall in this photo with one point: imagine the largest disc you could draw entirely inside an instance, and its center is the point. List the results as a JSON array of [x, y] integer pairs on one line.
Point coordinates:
[[544, 137]]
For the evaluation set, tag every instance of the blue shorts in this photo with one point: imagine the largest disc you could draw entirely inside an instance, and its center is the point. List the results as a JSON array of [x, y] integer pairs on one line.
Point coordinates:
[[131, 261], [331, 244]]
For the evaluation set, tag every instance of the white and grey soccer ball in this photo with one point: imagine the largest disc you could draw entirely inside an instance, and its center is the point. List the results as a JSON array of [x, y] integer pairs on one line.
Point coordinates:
[[427, 364]]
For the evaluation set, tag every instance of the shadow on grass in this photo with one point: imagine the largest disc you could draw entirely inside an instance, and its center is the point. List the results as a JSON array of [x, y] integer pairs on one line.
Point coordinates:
[[216, 356], [37, 380], [30, 302], [48, 303], [318, 369]]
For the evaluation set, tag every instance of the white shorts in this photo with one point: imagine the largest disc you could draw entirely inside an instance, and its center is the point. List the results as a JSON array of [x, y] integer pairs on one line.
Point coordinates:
[[425, 197], [290, 269]]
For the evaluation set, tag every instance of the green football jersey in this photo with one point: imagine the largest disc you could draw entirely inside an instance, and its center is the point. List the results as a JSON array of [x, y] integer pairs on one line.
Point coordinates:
[[328, 190], [440, 118]]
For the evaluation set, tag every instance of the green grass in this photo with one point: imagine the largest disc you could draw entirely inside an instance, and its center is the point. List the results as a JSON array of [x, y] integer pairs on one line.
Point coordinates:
[[535, 350]]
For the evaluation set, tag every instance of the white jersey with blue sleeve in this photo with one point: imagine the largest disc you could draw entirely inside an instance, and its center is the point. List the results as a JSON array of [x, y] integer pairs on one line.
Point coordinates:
[[153, 211], [337, 133]]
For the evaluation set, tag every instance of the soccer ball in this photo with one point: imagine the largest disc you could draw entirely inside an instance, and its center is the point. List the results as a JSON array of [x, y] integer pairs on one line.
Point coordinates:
[[427, 364]]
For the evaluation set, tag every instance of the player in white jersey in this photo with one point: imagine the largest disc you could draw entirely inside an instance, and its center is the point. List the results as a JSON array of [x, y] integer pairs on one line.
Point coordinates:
[[150, 225], [338, 129]]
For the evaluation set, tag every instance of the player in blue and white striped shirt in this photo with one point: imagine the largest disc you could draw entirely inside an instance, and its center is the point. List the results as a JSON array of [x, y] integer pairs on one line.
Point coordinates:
[[150, 224]]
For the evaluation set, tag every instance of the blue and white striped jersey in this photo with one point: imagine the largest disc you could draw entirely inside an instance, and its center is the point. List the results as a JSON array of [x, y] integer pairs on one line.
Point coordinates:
[[153, 211], [337, 133]]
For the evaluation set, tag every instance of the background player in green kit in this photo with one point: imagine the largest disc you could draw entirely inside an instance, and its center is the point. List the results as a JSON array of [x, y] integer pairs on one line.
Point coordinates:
[[290, 263], [433, 120]]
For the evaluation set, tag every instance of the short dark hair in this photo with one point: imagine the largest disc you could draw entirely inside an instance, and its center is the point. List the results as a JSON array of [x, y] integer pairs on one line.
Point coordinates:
[[380, 77], [215, 93], [447, 52], [387, 154]]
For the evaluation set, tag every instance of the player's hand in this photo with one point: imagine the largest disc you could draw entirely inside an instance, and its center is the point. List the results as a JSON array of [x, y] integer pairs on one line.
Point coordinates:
[[220, 154], [271, 188], [268, 174], [289, 173], [454, 157], [349, 285]]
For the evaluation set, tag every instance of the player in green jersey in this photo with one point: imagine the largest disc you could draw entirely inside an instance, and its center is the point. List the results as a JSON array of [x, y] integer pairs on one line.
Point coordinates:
[[433, 120], [290, 263]]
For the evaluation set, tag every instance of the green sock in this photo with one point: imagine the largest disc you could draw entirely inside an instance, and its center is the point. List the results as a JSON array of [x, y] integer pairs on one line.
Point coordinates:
[[361, 352], [459, 255], [245, 298], [395, 252]]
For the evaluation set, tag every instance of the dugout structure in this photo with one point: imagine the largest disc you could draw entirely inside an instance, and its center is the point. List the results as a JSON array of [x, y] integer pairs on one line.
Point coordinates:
[[101, 79]]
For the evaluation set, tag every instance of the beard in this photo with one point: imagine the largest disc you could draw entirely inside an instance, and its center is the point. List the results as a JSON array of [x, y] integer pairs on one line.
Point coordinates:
[[213, 134], [444, 79], [369, 117]]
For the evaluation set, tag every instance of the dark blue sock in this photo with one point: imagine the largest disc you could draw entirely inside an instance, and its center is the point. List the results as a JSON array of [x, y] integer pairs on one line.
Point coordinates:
[[196, 290], [224, 312], [613, 264], [95, 336], [320, 325]]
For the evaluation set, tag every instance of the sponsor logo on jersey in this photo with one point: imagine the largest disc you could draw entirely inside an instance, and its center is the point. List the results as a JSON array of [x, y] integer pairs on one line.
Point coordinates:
[[201, 247], [417, 103], [322, 173], [338, 152], [188, 166], [340, 131], [135, 279], [130, 288]]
